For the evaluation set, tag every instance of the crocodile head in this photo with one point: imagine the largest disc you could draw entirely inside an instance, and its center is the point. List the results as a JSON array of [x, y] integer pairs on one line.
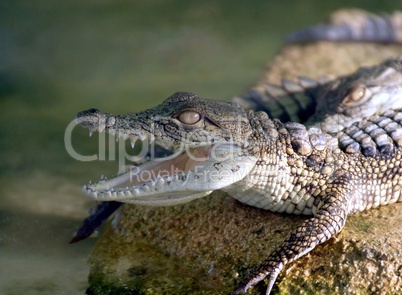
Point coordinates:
[[208, 144], [359, 95]]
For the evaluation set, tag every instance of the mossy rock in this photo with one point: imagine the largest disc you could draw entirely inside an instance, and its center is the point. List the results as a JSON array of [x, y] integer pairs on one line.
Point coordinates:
[[208, 245]]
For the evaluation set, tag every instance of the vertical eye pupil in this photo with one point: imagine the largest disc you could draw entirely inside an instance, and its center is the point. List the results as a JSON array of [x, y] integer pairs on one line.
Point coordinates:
[[189, 117]]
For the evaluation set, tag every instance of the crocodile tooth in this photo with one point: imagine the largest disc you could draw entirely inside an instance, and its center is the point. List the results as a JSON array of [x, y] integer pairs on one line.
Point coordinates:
[[159, 181], [146, 189], [94, 194], [84, 189], [90, 133], [274, 90], [133, 139], [142, 136], [120, 193], [135, 191], [103, 194], [101, 127]]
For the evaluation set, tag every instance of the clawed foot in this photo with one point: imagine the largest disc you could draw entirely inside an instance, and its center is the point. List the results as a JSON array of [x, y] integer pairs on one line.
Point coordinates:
[[268, 270]]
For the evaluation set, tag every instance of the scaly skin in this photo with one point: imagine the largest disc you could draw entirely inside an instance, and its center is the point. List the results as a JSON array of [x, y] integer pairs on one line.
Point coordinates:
[[282, 167], [333, 105], [354, 25]]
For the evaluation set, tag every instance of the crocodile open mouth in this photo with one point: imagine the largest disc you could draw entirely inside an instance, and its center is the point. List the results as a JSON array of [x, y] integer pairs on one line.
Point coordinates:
[[191, 173], [152, 179], [203, 160]]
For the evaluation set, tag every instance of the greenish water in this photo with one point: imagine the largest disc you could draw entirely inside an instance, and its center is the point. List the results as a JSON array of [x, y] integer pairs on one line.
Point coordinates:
[[60, 57]]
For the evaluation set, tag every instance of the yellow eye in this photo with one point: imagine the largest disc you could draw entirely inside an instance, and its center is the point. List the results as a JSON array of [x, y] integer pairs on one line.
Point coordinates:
[[189, 117], [354, 96]]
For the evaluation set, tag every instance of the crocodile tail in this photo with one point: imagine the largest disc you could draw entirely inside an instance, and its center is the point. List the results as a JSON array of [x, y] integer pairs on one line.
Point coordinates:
[[354, 25], [289, 101]]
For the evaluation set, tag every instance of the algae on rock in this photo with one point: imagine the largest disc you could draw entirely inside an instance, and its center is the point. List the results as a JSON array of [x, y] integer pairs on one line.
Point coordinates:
[[203, 247]]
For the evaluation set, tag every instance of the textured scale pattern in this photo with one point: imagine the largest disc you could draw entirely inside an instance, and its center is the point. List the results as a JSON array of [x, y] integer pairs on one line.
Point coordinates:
[[290, 101], [379, 134], [328, 180], [329, 221], [332, 105], [354, 25]]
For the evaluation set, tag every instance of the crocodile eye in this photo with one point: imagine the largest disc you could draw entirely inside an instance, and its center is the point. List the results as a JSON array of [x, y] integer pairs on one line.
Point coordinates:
[[354, 96], [189, 117]]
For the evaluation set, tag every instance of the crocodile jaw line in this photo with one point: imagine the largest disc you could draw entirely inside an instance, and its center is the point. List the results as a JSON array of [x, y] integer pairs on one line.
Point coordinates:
[[175, 180]]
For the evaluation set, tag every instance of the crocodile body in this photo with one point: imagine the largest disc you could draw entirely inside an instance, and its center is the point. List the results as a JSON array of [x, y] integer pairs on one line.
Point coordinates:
[[354, 25], [331, 106], [282, 167]]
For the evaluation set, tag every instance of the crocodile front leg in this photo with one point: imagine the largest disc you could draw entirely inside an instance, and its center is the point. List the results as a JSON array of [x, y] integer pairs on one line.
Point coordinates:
[[102, 212], [327, 222]]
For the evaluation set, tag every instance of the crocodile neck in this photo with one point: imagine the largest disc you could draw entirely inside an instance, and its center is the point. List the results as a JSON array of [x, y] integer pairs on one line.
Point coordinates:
[[283, 151], [294, 162]]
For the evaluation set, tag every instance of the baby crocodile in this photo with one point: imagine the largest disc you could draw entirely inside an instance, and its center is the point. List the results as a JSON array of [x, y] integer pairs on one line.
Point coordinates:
[[282, 167], [332, 105], [352, 96]]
